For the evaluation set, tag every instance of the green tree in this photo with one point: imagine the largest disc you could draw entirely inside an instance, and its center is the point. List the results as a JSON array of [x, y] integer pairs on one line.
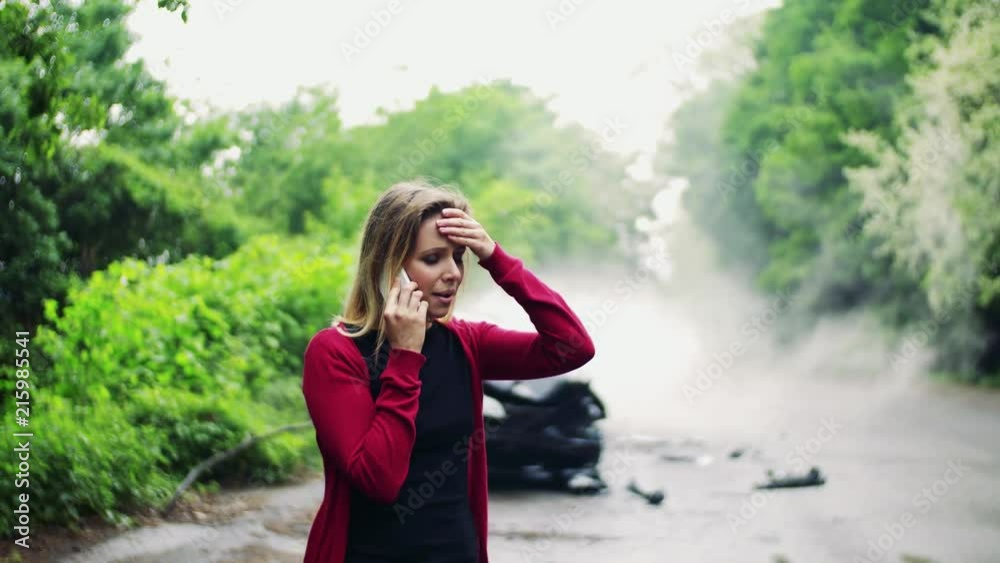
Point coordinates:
[[87, 170], [931, 197], [855, 165]]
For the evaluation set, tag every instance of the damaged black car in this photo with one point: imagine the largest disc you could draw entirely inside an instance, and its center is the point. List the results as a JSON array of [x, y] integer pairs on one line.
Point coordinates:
[[542, 434]]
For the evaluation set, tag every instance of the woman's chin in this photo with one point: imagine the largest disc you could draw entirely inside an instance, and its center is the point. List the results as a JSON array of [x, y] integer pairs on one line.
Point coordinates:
[[436, 312]]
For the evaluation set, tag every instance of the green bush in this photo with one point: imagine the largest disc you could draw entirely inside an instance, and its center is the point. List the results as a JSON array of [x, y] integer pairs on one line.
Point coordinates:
[[85, 459], [190, 428], [150, 369], [201, 325]]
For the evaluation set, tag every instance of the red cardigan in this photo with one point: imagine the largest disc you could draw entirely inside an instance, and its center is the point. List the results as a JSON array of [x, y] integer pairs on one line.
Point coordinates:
[[367, 445]]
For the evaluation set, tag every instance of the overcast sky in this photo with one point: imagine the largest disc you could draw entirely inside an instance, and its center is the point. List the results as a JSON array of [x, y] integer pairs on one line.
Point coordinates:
[[598, 59]]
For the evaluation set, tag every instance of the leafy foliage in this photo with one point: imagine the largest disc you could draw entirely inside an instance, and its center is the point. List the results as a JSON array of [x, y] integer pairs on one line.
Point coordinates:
[[856, 165], [205, 326], [300, 171], [154, 368], [87, 170], [931, 199]]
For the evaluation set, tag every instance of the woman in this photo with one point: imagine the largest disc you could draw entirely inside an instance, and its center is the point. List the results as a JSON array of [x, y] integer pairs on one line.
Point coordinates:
[[406, 472]]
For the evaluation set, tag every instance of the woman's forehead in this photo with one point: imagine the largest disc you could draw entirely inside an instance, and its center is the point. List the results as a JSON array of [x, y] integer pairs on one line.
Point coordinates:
[[429, 236]]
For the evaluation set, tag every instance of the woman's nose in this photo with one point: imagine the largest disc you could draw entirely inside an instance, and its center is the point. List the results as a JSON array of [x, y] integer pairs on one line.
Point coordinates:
[[453, 272]]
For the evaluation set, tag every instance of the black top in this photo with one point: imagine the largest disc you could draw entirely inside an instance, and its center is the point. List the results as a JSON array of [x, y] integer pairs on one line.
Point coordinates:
[[430, 521]]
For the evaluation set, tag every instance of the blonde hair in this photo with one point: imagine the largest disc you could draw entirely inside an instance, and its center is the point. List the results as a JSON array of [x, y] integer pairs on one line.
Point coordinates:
[[388, 240]]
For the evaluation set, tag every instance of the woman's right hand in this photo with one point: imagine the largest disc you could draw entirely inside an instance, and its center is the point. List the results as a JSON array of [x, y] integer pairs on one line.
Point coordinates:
[[405, 317]]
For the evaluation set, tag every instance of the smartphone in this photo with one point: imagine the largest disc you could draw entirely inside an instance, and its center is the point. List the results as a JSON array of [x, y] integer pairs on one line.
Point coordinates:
[[402, 278]]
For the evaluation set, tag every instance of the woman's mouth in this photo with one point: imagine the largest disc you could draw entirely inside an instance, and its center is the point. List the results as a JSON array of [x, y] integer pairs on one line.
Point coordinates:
[[445, 297]]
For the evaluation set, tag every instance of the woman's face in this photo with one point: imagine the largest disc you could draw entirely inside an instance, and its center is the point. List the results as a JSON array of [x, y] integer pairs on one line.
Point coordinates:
[[436, 266]]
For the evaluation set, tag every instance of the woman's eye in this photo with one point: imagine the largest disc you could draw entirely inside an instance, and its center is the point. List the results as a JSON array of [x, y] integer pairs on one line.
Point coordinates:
[[433, 259]]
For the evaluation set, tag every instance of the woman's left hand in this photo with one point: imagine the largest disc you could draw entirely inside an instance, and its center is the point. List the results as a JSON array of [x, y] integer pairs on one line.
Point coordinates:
[[461, 228]]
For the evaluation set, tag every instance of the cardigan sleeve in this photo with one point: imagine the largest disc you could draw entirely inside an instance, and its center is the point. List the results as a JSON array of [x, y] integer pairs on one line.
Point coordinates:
[[561, 343], [370, 442]]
